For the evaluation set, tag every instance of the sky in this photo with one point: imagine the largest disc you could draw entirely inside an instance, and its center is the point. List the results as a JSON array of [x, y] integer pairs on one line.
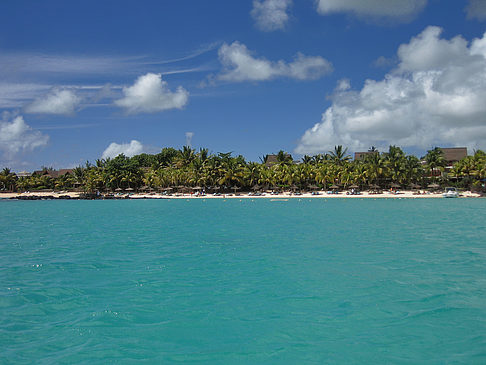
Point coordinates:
[[83, 80]]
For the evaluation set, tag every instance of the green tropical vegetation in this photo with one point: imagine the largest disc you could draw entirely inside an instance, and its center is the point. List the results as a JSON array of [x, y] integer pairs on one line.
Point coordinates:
[[173, 169]]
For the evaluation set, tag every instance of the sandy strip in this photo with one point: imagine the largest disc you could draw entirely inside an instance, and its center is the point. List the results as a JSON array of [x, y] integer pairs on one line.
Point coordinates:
[[322, 195], [55, 194], [401, 195]]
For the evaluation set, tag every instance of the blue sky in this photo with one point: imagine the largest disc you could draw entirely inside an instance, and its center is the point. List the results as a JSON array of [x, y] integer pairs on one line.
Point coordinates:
[[85, 80]]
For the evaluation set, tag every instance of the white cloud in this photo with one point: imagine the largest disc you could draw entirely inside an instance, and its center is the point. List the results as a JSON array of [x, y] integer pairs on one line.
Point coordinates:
[[384, 62], [14, 95], [128, 149], [476, 9], [189, 136], [17, 66], [343, 85], [19, 70], [434, 97], [58, 101], [271, 15], [150, 94], [16, 136], [240, 65], [394, 9]]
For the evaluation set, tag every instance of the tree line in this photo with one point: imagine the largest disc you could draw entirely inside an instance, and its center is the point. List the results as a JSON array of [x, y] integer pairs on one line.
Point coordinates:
[[186, 168]]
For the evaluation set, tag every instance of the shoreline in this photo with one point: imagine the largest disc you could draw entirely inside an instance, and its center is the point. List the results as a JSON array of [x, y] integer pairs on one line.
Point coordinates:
[[406, 194]]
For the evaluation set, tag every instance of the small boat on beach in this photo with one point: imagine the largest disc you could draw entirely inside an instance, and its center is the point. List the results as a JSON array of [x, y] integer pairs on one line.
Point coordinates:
[[450, 193]]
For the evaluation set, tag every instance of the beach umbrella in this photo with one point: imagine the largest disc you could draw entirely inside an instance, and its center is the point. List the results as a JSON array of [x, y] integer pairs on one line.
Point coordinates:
[[394, 185], [118, 189], [255, 187], [414, 186], [433, 186], [334, 187], [197, 188], [235, 188], [143, 188], [129, 189], [313, 187], [354, 186], [374, 187]]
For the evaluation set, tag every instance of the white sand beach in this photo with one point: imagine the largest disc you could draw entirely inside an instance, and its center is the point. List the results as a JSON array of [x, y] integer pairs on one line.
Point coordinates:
[[421, 194], [42, 194], [321, 195]]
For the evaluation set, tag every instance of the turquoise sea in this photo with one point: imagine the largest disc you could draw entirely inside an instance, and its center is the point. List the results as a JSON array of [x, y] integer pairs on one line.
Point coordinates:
[[338, 281]]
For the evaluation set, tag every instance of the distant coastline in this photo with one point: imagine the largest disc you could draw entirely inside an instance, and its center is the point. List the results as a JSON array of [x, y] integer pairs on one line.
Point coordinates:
[[174, 173]]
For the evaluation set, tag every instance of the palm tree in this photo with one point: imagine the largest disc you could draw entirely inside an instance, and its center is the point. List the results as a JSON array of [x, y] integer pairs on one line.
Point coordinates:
[[395, 163], [79, 175], [320, 158], [358, 174], [232, 174], [284, 158], [8, 179], [413, 170], [375, 168], [307, 159], [303, 174], [252, 173], [185, 157], [435, 160], [264, 159], [202, 155], [339, 155]]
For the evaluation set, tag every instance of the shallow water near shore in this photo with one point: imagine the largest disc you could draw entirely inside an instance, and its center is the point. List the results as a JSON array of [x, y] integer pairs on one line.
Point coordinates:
[[251, 281]]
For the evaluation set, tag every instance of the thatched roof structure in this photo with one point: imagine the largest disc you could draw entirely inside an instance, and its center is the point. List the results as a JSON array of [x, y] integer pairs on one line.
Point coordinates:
[[53, 173], [362, 155], [454, 154]]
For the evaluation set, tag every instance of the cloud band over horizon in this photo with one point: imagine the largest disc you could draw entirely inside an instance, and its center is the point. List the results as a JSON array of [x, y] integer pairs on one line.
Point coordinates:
[[435, 96]]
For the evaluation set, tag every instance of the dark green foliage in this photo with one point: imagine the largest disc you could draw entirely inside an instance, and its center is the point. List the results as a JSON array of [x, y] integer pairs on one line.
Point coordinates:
[[188, 168]]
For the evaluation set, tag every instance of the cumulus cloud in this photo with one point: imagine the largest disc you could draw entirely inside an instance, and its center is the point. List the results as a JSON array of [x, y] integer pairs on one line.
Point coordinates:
[[343, 85], [58, 101], [150, 94], [16, 137], [240, 65], [270, 15], [189, 136], [476, 9], [393, 9], [435, 96], [128, 149]]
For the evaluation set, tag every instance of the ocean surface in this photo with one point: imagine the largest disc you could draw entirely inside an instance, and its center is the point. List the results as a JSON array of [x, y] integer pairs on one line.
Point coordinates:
[[336, 281]]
